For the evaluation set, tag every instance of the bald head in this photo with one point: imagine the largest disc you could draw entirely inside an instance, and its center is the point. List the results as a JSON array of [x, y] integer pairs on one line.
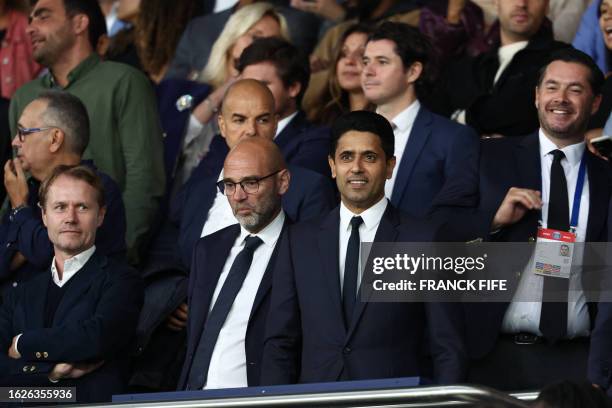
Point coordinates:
[[247, 111], [254, 180]]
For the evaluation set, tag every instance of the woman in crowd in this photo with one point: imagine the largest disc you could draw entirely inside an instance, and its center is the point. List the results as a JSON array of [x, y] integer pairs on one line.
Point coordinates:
[[343, 92], [605, 24]]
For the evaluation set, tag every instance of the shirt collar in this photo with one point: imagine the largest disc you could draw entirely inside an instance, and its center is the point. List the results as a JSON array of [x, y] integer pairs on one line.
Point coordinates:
[[282, 124], [371, 217], [79, 71], [71, 266], [269, 235], [573, 153], [404, 120]]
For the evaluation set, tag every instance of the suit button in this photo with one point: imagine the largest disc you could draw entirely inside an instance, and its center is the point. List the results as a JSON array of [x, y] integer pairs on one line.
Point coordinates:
[[38, 355], [531, 239], [251, 363], [347, 350], [45, 354], [14, 284], [25, 369], [32, 368]]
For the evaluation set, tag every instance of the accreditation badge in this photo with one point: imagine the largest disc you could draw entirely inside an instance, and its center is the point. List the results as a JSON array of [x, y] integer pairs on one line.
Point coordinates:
[[553, 253]]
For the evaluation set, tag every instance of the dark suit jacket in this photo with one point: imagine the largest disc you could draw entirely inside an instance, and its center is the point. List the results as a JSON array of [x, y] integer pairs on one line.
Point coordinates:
[[440, 164], [309, 195], [95, 320], [307, 340], [209, 259], [509, 163]]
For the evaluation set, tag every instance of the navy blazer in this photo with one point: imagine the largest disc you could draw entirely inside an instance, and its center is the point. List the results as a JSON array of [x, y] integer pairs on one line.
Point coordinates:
[[439, 164], [515, 162], [26, 233], [306, 337], [209, 259], [309, 195], [95, 320]]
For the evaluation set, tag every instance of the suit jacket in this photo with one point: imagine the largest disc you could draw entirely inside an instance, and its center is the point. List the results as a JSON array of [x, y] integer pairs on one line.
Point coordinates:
[[307, 340], [439, 164], [309, 196], [509, 163], [209, 259], [95, 320]]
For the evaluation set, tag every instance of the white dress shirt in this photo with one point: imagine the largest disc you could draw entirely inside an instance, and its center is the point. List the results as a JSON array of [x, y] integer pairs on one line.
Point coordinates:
[[525, 316], [228, 361], [282, 124], [402, 126], [367, 232], [220, 214]]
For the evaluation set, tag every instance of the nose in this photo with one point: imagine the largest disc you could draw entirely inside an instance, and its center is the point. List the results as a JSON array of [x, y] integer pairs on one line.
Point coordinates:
[[239, 193], [368, 70], [357, 166], [16, 142], [250, 128], [71, 216]]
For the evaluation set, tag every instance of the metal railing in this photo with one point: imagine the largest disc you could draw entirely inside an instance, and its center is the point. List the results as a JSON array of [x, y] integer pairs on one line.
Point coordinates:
[[417, 397]]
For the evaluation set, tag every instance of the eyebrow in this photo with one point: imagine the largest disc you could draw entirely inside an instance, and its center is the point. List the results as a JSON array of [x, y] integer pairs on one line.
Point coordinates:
[[39, 11]]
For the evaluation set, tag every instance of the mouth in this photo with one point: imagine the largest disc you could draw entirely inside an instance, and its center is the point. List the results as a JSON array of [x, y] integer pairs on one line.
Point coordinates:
[[520, 17], [36, 42], [357, 183], [561, 111], [71, 232], [607, 33]]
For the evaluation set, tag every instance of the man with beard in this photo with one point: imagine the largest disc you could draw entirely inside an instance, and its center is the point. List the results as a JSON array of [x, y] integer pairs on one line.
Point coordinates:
[[125, 140], [545, 182], [231, 273]]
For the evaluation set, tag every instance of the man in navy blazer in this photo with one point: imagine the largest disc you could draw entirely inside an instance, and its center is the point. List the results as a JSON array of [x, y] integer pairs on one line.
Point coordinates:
[[228, 354], [318, 329], [72, 326], [437, 159], [515, 198]]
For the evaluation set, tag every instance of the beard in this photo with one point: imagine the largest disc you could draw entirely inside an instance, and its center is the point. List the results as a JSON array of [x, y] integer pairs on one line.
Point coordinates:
[[260, 215]]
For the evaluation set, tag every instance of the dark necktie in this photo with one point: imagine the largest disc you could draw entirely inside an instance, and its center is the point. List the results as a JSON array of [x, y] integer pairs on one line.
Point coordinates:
[[216, 318], [351, 267], [553, 317]]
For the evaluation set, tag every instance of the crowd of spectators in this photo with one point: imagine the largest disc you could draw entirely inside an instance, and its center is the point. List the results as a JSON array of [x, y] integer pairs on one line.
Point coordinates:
[[196, 176]]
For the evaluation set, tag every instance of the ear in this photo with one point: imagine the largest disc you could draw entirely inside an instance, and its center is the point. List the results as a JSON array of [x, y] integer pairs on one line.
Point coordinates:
[[537, 97], [596, 104], [80, 24], [414, 72], [294, 89], [101, 215], [390, 166], [43, 213], [332, 166], [285, 180], [57, 140], [221, 123]]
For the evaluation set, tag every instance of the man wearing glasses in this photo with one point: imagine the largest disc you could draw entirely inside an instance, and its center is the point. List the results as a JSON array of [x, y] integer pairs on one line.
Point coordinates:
[[231, 274], [53, 130]]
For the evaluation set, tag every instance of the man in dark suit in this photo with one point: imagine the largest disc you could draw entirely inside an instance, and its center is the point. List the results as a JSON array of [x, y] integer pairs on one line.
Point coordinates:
[[53, 130], [285, 70], [73, 325], [524, 182], [318, 330], [228, 293], [434, 155]]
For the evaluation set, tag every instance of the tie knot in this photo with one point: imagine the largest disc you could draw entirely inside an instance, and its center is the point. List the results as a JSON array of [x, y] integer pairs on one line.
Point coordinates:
[[356, 222], [251, 242], [557, 155]]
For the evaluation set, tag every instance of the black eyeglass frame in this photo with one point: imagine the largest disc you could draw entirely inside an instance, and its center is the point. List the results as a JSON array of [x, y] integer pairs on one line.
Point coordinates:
[[23, 132], [222, 184]]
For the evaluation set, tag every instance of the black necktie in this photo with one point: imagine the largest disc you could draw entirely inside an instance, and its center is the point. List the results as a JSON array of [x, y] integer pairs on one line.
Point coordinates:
[[216, 318], [351, 266], [553, 317]]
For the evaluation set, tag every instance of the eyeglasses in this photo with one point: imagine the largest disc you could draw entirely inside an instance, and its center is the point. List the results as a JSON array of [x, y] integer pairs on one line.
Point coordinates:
[[249, 186], [22, 132]]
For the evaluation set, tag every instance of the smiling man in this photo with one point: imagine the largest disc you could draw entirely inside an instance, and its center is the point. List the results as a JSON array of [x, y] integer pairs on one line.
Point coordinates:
[[73, 325], [529, 185], [318, 329]]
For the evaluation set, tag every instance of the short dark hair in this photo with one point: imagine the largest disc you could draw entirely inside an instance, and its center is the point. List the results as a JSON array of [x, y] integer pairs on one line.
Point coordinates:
[[91, 8], [68, 113], [79, 172], [571, 55], [363, 121], [291, 64], [411, 46]]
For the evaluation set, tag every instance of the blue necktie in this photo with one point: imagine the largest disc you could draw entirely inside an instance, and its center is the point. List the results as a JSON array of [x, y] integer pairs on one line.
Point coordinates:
[[553, 316], [351, 267], [216, 318]]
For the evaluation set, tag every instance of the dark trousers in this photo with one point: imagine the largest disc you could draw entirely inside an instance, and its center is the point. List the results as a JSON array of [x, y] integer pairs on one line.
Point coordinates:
[[519, 367]]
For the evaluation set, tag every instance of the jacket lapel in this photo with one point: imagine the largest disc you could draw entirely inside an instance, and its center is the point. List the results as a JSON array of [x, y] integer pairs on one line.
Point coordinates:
[[329, 250], [387, 232], [288, 135], [599, 196], [421, 129], [528, 162]]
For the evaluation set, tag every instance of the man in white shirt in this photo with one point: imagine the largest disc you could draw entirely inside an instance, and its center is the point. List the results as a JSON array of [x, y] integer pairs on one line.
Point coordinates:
[[530, 186], [436, 158], [231, 274], [74, 324]]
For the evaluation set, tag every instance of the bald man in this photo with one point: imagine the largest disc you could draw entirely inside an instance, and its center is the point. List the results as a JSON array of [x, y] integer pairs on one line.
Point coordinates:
[[247, 112], [231, 274]]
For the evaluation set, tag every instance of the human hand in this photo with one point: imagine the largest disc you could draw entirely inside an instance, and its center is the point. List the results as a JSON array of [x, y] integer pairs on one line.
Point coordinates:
[[15, 183], [12, 351], [328, 9], [515, 205], [177, 321], [72, 371]]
